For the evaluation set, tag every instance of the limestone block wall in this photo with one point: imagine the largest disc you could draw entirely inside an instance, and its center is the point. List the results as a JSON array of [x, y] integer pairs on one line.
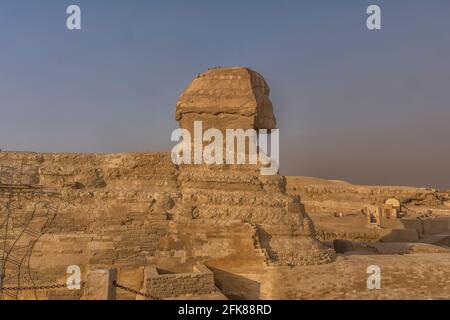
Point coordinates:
[[90, 210], [199, 282]]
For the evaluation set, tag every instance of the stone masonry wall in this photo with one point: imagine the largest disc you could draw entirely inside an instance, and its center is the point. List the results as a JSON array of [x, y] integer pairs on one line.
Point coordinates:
[[199, 282]]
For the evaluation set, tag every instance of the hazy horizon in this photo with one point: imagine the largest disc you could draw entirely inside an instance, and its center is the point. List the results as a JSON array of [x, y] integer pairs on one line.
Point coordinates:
[[368, 107]]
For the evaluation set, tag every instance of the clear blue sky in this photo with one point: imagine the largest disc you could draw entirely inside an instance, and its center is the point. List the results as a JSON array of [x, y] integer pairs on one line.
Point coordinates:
[[368, 107]]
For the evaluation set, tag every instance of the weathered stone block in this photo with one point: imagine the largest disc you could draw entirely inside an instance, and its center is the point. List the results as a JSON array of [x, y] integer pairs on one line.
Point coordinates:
[[99, 285]]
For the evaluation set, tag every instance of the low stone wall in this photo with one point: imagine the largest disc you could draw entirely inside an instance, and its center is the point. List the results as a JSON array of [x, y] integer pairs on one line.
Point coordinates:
[[199, 282], [427, 226]]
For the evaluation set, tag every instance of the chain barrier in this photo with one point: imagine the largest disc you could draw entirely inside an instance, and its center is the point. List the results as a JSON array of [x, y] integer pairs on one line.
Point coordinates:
[[145, 295], [43, 287], [61, 286]]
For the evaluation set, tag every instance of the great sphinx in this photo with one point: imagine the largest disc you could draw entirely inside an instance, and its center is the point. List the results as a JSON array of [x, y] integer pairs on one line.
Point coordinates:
[[238, 98], [130, 211]]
